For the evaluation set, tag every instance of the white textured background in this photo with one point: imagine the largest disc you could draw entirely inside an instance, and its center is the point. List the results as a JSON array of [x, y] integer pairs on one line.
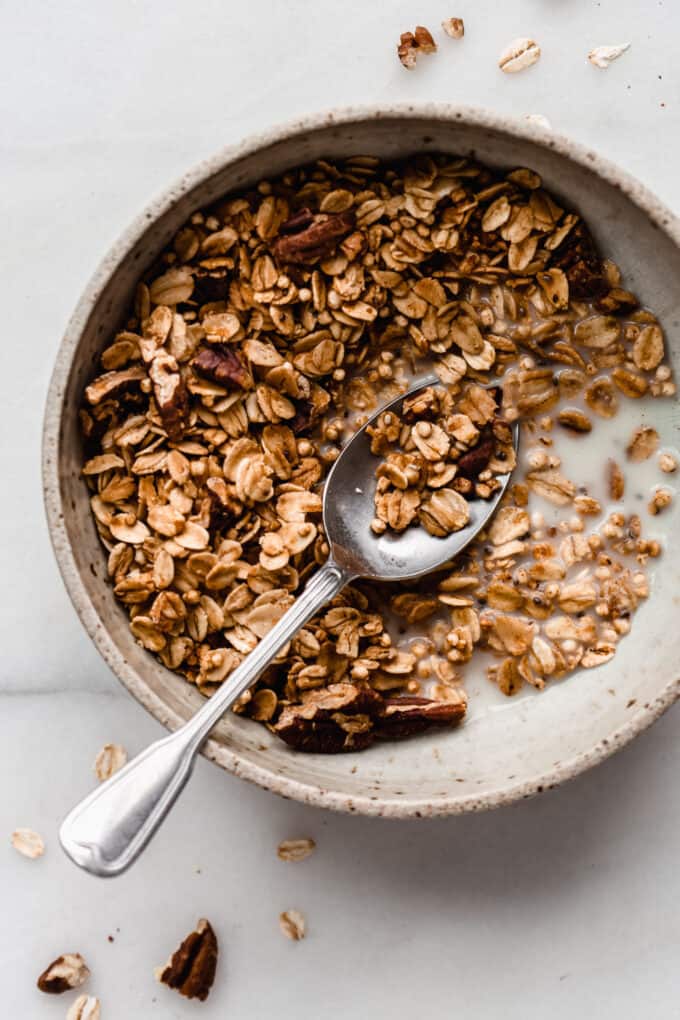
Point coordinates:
[[566, 906]]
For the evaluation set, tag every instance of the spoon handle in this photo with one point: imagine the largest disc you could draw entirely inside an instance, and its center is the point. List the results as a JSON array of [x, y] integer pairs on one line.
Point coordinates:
[[108, 830]]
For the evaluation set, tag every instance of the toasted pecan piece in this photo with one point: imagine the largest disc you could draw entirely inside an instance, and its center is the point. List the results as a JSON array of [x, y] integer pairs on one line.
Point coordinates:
[[304, 241], [222, 364], [191, 968], [404, 716]]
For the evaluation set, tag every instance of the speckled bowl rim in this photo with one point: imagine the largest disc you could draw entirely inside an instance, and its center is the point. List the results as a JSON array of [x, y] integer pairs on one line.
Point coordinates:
[[312, 793]]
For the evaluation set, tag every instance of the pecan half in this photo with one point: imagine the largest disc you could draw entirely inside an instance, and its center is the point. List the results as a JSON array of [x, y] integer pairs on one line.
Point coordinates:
[[191, 968], [68, 971], [170, 393], [411, 44], [305, 241], [347, 717], [475, 460], [579, 258], [211, 285], [402, 717], [330, 721], [221, 363]]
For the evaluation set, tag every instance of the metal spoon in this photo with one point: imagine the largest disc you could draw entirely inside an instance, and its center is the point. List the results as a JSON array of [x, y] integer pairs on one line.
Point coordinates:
[[108, 830]]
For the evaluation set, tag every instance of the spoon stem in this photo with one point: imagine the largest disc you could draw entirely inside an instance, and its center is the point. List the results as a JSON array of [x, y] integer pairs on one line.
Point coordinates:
[[107, 831]]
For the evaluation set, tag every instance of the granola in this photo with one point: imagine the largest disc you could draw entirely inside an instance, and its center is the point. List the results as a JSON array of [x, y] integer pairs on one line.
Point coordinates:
[[436, 458], [266, 333]]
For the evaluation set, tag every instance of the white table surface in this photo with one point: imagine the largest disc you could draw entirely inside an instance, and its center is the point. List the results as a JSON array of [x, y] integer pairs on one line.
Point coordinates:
[[566, 906]]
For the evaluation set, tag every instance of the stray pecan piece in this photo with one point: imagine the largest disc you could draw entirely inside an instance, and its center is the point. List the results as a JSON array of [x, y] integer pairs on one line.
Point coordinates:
[[304, 241], [66, 972], [191, 968], [170, 393], [222, 365], [411, 44]]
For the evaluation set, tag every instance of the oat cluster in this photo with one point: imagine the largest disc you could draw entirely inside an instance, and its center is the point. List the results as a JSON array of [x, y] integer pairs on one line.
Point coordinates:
[[437, 455], [267, 331]]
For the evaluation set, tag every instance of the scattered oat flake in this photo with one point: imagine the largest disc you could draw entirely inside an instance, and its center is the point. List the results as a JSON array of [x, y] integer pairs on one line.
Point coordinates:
[[602, 56], [295, 849], [643, 443], [86, 1007], [538, 120], [292, 924], [28, 843], [668, 463], [520, 54], [111, 758], [454, 27]]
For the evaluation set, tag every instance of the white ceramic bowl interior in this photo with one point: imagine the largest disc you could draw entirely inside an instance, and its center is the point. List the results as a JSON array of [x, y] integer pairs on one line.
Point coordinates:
[[512, 750]]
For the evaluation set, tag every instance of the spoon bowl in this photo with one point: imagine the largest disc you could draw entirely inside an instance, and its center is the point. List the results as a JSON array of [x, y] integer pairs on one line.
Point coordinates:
[[348, 511]]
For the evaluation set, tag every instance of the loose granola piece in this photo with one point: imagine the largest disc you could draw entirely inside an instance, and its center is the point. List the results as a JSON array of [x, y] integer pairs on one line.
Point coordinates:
[[648, 349], [85, 1007], [552, 485], [602, 56], [191, 968], [630, 383], [518, 55], [616, 481], [643, 443], [510, 522], [28, 843], [668, 463], [454, 27], [295, 849], [574, 420], [110, 759], [587, 505], [66, 972], [601, 398], [293, 925], [444, 512], [661, 499]]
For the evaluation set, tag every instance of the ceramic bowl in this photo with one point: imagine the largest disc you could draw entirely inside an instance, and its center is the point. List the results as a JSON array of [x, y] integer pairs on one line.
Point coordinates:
[[499, 756]]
